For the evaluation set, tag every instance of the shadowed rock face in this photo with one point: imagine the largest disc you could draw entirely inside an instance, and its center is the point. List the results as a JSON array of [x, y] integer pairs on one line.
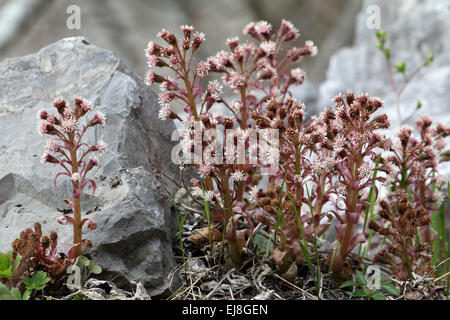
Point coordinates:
[[130, 205]]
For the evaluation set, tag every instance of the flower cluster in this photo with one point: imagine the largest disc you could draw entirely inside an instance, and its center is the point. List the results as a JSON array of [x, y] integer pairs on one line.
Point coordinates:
[[326, 164], [412, 163], [399, 223], [253, 72], [67, 149], [328, 168], [38, 252]]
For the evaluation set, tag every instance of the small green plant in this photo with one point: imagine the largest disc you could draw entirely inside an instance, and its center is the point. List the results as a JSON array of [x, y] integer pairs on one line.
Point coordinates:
[[35, 283], [8, 265], [80, 271], [363, 288], [400, 68], [87, 267]]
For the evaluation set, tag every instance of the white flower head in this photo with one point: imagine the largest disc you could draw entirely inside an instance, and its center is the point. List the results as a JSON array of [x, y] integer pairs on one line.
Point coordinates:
[[364, 170], [164, 113], [52, 146], [298, 74], [215, 88], [238, 176], [69, 125], [268, 47], [209, 196], [230, 154], [75, 177], [101, 146], [437, 196]]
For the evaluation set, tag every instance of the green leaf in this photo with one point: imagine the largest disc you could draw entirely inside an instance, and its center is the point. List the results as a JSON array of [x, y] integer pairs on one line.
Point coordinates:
[[303, 245], [37, 281], [430, 58], [279, 220], [366, 290], [401, 67], [79, 296], [348, 284], [261, 243], [358, 293], [381, 34], [361, 277], [391, 289], [387, 52], [15, 294], [419, 105], [4, 292], [5, 265], [377, 295], [83, 261], [94, 268], [27, 294]]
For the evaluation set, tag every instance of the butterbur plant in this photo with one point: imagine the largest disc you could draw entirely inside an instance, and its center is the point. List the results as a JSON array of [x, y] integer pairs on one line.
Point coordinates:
[[68, 150], [412, 163], [329, 168], [38, 252], [415, 190], [301, 162], [356, 148], [252, 73], [403, 251]]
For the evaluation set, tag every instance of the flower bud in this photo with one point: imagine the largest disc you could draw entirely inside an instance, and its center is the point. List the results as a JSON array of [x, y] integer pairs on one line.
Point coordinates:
[[47, 157], [60, 105]]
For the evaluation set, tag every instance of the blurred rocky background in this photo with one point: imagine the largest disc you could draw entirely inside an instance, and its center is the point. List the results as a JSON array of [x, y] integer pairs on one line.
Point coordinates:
[[125, 27]]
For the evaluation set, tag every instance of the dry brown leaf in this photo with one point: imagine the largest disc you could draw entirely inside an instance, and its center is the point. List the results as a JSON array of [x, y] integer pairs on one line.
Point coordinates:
[[202, 236]]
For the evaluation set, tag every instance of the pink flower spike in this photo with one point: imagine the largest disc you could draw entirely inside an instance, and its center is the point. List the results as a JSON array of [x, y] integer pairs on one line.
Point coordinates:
[[52, 146], [86, 106]]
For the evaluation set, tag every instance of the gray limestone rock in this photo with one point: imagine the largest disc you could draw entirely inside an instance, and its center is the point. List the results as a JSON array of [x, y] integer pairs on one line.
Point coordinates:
[[131, 204]]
